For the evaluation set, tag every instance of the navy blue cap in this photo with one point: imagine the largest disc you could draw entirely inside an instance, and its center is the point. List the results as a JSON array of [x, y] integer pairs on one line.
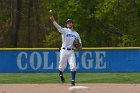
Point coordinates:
[[69, 20]]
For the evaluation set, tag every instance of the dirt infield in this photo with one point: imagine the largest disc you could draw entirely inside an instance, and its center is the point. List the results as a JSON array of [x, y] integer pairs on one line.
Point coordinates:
[[64, 88]]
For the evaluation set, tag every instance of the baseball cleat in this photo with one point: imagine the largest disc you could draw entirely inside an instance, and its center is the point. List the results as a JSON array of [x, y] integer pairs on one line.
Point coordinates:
[[62, 79], [73, 83]]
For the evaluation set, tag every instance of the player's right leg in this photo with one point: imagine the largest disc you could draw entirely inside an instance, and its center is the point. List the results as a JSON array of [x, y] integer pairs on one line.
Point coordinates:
[[62, 64], [61, 77]]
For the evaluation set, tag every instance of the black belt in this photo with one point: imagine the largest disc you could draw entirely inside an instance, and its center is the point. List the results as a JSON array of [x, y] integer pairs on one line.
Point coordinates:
[[67, 48]]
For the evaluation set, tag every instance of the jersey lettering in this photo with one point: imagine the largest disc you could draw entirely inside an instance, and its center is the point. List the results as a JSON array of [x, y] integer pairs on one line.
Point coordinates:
[[70, 35]]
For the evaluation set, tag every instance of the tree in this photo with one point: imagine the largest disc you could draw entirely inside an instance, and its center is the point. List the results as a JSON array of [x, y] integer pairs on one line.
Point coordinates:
[[100, 23]]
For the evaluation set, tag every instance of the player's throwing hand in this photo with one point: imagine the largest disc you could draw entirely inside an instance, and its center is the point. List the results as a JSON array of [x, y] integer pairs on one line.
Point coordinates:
[[52, 18]]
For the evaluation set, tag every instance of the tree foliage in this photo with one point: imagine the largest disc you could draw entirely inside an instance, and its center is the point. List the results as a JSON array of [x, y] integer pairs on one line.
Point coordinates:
[[100, 23]]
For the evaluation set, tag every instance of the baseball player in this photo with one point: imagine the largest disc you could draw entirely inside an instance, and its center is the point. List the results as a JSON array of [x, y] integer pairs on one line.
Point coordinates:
[[67, 49]]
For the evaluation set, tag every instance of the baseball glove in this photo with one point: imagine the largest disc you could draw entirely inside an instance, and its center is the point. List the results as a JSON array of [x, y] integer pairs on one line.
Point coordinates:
[[76, 43]]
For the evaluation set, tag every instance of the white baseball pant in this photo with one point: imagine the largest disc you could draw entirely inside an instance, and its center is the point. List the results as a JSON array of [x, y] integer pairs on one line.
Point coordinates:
[[67, 56]]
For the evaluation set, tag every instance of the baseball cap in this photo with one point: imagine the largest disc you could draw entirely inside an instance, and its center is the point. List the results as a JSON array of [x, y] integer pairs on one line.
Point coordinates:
[[69, 20]]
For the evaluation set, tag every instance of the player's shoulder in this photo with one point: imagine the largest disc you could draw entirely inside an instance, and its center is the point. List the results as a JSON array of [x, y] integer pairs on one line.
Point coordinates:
[[64, 28], [75, 32]]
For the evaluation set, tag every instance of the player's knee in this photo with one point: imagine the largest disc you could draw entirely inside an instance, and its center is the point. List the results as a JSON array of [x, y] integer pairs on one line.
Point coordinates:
[[61, 69], [73, 69]]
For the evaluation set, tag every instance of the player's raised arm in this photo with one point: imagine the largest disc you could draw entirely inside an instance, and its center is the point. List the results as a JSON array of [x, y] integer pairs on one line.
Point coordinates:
[[59, 28]]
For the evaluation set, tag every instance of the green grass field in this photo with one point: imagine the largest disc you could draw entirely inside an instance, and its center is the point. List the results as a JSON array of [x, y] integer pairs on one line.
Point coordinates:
[[29, 78]]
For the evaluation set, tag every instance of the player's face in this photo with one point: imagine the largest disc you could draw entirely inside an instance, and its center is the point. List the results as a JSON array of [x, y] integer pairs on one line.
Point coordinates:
[[69, 25]]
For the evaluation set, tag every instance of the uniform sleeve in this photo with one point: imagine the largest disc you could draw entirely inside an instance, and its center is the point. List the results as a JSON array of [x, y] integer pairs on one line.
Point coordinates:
[[79, 39], [59, 28]]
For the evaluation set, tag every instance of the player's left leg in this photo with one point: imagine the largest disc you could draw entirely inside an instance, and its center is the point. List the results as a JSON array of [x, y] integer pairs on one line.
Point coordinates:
[[72, 63]]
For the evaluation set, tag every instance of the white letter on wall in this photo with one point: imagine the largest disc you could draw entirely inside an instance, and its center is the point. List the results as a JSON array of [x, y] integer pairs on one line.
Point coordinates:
[[19, 60], [100, 64]]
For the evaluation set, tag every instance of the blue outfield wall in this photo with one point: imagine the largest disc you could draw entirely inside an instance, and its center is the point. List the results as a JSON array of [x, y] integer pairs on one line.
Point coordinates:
[[88, 60]]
